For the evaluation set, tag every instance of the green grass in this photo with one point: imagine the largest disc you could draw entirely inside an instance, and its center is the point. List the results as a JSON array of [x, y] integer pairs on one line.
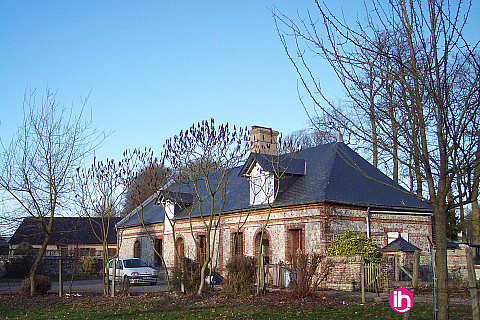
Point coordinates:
[[168, 309]]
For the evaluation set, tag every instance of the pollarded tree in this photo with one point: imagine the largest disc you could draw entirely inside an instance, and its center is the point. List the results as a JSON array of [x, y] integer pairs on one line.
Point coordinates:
[[38, 168], [427, 71]]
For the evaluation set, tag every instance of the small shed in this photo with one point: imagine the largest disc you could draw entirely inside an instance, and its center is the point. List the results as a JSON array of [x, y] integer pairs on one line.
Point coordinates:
[[399, 245], [403, 252]]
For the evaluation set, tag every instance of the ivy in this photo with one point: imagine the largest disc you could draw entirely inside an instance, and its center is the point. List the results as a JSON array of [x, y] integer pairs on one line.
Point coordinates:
[[350, 244]]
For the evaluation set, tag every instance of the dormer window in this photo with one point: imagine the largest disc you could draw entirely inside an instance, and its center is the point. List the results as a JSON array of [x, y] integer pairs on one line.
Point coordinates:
[[169, 208], [262, 186]]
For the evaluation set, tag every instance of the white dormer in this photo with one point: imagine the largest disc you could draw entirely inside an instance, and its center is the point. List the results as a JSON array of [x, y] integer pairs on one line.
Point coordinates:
[[262, 186], [169, 208]]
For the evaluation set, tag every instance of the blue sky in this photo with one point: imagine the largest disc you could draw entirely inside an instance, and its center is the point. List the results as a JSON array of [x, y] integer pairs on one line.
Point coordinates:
[[153, 68]]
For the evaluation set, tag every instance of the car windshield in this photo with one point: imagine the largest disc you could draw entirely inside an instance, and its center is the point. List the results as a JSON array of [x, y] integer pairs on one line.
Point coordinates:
[[134, 263]]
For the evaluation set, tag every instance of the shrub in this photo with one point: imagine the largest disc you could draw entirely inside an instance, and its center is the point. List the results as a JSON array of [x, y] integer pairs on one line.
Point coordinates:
[[89, 264], [350, 244], [18, 267], [42, 285], [190, 276], [240, 279], [306, 280]]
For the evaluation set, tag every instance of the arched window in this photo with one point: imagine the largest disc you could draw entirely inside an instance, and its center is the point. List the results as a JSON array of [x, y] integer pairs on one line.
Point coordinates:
[[137, 250]]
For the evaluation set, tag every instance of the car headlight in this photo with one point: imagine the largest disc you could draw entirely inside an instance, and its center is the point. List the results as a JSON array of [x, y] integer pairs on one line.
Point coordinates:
[[134, 274]]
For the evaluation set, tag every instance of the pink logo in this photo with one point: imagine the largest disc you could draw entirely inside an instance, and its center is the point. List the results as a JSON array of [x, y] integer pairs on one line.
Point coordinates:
[[401, 300]]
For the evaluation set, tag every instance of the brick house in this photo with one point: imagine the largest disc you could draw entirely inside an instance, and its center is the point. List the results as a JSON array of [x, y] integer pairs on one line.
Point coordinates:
[[323, 191]]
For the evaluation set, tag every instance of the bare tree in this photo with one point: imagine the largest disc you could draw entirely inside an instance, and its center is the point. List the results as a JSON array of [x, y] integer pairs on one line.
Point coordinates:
[[146, 182], [201, 160], [420, 94], [99, 193], [38, 167], [142, 173]]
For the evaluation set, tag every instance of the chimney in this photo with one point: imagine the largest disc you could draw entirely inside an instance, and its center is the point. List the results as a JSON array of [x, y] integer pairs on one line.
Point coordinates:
[[263, 140]]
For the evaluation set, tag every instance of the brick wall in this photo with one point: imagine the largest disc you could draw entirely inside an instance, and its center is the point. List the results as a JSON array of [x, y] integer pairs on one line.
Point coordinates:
[[344, 273], [320, 223]]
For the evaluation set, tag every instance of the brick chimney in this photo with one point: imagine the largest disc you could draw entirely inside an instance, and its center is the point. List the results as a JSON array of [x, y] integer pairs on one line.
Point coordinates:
[[263, 140]]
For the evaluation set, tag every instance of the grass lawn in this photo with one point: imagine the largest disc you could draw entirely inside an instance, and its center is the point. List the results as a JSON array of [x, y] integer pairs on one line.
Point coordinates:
[[167, 307]]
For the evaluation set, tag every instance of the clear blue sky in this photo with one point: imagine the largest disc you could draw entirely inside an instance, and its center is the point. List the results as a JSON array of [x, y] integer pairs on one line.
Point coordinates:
[[154, 67]]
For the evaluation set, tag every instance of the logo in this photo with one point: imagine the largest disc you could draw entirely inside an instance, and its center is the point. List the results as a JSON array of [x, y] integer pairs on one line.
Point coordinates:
[[401, 300]]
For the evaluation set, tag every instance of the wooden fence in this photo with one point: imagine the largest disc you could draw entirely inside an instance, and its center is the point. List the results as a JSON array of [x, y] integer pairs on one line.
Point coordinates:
[[372, 275]]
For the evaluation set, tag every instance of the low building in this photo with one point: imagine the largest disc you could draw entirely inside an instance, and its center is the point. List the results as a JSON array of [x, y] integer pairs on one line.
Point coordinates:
[[72, 236], [322, 192]]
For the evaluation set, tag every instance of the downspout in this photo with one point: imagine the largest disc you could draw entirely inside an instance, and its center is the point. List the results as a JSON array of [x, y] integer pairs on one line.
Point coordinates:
[[368, 223]]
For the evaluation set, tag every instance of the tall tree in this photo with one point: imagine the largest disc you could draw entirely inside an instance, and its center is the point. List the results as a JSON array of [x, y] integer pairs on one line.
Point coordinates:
[[98, 194], [422, 66], [38, 167], [148, 180], [201, 159]]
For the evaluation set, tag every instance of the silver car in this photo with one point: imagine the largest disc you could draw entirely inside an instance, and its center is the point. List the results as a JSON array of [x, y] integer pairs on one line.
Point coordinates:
[[134, 270]]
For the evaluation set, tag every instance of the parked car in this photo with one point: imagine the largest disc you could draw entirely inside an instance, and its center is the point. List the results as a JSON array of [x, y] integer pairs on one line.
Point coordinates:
[[134, 270]]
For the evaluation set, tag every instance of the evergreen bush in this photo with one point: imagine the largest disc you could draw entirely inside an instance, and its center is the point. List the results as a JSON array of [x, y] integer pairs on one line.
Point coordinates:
[[350, 244]]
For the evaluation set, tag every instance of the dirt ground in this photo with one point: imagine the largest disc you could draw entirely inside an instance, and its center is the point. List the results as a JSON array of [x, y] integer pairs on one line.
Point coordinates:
[[277, 298]]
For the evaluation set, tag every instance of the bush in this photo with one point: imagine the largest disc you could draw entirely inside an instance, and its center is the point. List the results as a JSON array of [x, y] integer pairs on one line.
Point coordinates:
[[190, 276], [350, 244], [240, 279], [42, 285], [306, 280], [89, 264], [18, 267]]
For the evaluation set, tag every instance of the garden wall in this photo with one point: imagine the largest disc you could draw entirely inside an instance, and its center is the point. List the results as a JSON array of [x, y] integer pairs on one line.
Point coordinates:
[[343, 272]]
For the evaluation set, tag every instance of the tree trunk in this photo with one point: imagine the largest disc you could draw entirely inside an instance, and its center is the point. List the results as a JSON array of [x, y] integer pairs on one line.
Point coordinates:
[[36, 263], [441, 260]]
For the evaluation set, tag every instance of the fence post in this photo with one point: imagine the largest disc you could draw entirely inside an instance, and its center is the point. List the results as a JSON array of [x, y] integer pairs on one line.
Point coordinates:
[[416, 263], [60, 280], [472, 284], [362, 276]]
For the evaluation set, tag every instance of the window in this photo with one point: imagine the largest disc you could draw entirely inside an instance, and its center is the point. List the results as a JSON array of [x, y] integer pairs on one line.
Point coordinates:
[[180, 248], [262, 185], [295, 237], [392, 236], [202, 247], [137, 250], [158, 250], [238, 243]]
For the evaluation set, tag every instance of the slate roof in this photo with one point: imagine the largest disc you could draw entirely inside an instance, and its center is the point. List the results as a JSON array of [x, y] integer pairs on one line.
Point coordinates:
[[66, 230], [331, 173], [400, 245]]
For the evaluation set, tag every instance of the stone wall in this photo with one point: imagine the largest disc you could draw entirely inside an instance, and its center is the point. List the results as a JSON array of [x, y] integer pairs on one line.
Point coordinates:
[[319, 224], [344, 273], [49, 266]]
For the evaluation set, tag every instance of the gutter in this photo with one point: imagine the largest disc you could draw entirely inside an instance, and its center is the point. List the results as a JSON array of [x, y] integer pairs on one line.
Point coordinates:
[[368, 223]]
